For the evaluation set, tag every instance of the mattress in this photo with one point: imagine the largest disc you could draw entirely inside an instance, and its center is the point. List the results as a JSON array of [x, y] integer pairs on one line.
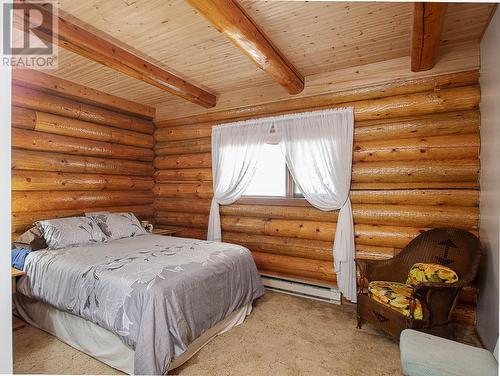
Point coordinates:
[[100, 343], [157, 294]]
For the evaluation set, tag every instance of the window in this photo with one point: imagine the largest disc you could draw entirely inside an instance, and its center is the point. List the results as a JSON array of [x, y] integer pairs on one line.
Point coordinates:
[[272, 178]]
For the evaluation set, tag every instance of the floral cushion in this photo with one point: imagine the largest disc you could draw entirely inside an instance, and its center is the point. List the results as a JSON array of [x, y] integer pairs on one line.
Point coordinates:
[[118, 225], [421, 272], [72, 231], [396, 296]]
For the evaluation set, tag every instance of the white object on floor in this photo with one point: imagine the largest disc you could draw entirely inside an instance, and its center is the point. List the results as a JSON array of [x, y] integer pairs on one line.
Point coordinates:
[[423, 354], [305, 290], [100, 343]]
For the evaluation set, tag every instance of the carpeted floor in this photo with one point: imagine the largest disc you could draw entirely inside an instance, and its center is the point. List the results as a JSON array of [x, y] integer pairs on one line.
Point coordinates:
[[284, 335]]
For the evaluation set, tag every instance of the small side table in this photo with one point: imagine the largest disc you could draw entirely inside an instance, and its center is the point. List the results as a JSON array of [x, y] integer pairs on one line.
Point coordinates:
[[17, 323], [163, 231]]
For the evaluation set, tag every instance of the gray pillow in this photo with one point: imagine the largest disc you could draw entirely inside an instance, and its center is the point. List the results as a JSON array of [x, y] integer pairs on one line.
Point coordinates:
[[32, 240], [119, 225], [65, 232]]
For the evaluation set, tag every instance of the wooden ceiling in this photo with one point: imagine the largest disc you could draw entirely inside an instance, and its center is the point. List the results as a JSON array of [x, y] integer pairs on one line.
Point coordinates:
[[315, 37]]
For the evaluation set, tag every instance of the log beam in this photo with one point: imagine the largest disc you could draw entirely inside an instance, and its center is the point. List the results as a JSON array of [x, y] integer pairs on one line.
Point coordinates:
[[38, 80], [228, 17], [428, 103], [188, 139], [312, 249], [418, 149], [453, 173], [301, 267], [57, 162], [441, 124], [420, 197], [54, 104], [95, 48], [41, 141], [183, 175], [29, 180], [330, 100], [70, 127], [428, 19], [390, 215], [200, 145], [47, 200]]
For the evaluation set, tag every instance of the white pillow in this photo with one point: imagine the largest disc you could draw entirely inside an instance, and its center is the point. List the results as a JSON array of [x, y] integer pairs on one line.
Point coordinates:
[[65, 232], [119, 225]]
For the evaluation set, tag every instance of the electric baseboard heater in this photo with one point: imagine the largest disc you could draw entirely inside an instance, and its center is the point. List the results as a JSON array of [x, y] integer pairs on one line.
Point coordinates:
[[306, 290]]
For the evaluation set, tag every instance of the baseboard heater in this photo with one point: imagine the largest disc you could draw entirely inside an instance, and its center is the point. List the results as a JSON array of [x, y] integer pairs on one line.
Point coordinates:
[[306, 290]]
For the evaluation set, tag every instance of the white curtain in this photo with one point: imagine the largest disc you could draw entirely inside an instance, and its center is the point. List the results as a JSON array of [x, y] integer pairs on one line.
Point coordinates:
[[235, 154], [318, 151]]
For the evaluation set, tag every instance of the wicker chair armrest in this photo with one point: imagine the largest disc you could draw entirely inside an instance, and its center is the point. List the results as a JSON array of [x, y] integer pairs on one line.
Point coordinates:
[[440, 285], [375, 270], [423, 293], [363, 267]]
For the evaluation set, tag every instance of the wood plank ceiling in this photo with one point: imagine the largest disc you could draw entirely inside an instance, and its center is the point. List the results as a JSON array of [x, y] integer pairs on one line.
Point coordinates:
[[315, 37]]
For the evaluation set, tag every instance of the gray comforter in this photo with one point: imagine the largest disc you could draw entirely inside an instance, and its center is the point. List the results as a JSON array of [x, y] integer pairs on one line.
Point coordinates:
[[157, 293]]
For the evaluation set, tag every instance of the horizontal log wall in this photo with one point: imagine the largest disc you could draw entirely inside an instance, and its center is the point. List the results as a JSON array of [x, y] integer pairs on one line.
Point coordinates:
[[69, 157], [415, 167]]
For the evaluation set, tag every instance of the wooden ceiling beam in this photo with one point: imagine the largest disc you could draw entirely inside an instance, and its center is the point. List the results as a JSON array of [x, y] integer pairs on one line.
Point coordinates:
[[228, 18], [93, 47], [428, 21]]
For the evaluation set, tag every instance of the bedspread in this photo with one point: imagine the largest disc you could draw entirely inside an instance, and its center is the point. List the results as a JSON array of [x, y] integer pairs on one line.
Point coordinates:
[[157, 293]]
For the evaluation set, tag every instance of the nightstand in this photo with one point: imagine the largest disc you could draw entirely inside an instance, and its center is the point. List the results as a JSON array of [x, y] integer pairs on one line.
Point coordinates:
[[163, 231], [17, 323]]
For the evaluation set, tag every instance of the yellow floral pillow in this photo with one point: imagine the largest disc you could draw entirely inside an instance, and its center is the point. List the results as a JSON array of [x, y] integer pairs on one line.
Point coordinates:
[[396, 296], [421, 272]]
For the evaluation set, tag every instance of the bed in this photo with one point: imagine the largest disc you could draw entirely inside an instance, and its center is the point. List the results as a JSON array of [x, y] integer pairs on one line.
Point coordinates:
[[142, 304]]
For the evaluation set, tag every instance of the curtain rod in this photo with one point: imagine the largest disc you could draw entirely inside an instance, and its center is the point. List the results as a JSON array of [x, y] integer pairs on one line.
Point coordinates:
[[285, 117]]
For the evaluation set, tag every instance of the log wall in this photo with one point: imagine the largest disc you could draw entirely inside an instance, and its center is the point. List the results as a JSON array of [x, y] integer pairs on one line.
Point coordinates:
[[72, 156], [415, 167]]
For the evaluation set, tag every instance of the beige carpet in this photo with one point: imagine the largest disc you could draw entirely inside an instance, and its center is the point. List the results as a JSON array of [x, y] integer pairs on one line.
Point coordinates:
[[284, 335]]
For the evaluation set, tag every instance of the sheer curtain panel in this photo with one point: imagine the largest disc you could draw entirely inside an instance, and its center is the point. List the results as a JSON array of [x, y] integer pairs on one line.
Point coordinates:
[[318, 152], [235, 154]]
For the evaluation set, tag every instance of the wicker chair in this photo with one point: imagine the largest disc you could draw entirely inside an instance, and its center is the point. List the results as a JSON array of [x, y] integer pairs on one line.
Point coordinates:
[[458, 249]]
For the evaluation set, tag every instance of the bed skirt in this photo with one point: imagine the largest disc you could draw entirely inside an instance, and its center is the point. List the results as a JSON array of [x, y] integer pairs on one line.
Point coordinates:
[[102, 344]]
